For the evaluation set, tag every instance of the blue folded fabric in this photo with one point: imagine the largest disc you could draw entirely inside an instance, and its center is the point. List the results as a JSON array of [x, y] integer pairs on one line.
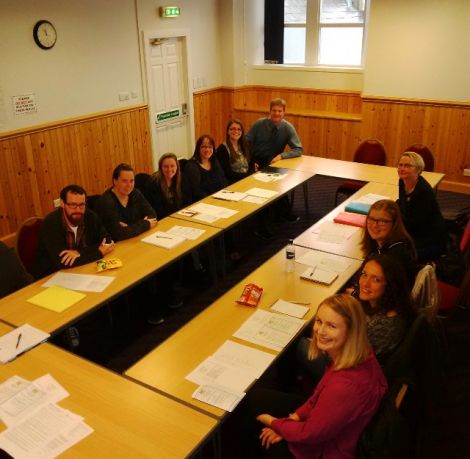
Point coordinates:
[[358, 208]]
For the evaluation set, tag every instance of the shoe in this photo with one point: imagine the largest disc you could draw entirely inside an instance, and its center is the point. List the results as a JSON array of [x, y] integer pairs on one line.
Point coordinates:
[[175, 304], [72, 336], [292, 218], [155, 320], [235, 256]]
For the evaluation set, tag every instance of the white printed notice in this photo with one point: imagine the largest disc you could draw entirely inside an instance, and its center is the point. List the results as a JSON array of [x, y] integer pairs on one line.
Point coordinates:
[[270, 330]]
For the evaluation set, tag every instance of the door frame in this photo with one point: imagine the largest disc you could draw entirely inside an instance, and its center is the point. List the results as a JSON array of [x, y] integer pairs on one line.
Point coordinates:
[[147, 36]]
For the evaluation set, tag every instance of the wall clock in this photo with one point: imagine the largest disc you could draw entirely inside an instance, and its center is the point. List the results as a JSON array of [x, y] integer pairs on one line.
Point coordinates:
[[44, 34]]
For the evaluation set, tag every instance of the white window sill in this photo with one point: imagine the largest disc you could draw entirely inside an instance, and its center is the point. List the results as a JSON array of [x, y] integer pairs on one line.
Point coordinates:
[[307, 68]]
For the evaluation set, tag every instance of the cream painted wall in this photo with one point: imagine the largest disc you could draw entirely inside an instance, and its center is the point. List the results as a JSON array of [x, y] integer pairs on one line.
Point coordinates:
[[419, 49], [95, 57]]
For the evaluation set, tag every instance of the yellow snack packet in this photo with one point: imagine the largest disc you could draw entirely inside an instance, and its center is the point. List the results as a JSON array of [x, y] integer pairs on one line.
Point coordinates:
[[108, 263]]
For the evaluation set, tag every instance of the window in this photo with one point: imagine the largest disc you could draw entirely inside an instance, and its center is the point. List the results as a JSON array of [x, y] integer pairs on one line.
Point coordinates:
[[320, 32]]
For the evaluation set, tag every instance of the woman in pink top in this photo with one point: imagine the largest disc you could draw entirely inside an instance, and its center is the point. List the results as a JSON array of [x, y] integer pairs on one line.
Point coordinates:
[[329, 424]]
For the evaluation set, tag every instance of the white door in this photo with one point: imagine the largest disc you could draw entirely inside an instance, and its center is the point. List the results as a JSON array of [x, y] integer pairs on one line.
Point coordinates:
[[168, 98]]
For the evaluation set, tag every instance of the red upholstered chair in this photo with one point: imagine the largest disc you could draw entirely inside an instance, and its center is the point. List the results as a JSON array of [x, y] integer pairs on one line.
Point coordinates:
[[26, 243], [370, 151], [425, 153]]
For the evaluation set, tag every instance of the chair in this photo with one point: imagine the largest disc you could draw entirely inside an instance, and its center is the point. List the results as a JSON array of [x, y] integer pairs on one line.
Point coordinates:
[[425, 292], [12, 274], [140, 180], [26, 242], [91, 201], [425, 153], [369, 152]]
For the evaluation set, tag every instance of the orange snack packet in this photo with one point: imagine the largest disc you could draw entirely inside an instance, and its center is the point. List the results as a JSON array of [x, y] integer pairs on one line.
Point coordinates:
[[251, 295]]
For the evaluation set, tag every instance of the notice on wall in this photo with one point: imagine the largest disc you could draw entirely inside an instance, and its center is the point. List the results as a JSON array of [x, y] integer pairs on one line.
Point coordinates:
[[24, 104]]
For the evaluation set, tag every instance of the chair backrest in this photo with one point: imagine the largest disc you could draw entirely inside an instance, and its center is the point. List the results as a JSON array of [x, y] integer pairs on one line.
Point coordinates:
[[12, 274], [371, 151], [425, 153], [26, 243], [465, 240], [140, 181], [91, 201], [425, 292]]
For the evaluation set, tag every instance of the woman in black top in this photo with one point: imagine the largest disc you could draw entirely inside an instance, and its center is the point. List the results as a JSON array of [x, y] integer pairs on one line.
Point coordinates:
[[419, 208], [203, 172], [166, 191], [234, 154], [385, 233]]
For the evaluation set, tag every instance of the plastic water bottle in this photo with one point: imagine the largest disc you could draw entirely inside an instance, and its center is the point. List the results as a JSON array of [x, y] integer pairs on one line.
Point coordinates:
[[290, 256]]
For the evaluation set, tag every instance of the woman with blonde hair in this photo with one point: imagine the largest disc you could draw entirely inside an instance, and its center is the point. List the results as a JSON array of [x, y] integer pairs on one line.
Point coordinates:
[[385, 233], [419, 208], [329, 424]]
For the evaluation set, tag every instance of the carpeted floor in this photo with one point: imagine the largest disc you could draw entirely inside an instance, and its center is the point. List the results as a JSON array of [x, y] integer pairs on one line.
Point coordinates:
[[119, 345]]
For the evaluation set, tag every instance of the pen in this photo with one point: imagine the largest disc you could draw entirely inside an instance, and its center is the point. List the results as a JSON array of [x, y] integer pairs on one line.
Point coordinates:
[[298, 302], [163, 237], [18, 341]]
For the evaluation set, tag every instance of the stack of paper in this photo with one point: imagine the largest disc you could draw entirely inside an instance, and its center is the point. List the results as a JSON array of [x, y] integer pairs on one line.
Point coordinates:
[[334, 233], [327, 262], [36, 426], [225, 375], [80, 282], [56, 298], [226, 195], [207, 212], [162, 239], [261, 193]]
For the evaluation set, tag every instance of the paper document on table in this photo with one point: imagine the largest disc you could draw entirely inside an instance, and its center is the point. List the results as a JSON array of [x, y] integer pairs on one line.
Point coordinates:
[[31, 397], [163, 239], [47, 433], [215, 211], [218, 396], [269, 176], [329, 262], [188, 232], [227, 195], [334, 232], [370, 198], [20, 340], [261, 192], [80, 282], [244, 357], [255, 199], [268, 329], [291, 309], [215, 372], [56, 298]]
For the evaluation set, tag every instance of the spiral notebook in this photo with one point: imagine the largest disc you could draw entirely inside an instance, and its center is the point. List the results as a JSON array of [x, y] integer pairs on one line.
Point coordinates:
[[320, 276]]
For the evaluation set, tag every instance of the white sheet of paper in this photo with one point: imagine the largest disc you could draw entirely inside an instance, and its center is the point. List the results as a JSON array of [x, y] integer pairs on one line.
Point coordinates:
[[330, 262], [216, 211], [12, 386], [269, 177], [244, 357], [206, 218], [40, 392], [12, 345], [269, 329], [261, 192], [370, 198], [291, 309], [217, 373], [218, 396], [47, 433], [226, 195], [188, 232], [163, 239], [80, 282], [255, 199], [335, 233]]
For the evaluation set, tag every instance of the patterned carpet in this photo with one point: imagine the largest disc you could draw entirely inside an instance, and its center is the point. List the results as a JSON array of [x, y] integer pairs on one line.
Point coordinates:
[[119, 345]]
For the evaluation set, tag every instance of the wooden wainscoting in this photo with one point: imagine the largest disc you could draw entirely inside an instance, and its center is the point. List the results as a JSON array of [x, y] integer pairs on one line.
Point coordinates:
[[37, 163]]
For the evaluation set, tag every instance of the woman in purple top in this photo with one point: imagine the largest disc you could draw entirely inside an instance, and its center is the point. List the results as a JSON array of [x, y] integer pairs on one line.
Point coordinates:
[[329, 424]]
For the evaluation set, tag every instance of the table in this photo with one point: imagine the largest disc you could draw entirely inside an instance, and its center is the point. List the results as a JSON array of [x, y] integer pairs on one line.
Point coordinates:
[[244, 209], [167, 365], [140, 261], [351, 170], [128, 419], [351, 247]]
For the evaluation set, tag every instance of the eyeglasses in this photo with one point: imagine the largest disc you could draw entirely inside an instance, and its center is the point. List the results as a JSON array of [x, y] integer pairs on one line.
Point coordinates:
[[378, 221], [74, 205], [405, 165]]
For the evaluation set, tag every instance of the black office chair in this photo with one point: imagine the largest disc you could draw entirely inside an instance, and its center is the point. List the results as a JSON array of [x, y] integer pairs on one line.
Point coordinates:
[[12, 274]]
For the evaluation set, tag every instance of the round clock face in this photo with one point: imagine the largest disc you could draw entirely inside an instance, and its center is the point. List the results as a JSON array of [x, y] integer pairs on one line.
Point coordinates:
[[44, 34]]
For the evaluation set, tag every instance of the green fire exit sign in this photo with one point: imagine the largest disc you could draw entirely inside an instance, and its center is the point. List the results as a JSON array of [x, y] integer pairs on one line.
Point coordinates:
[[170, 11]]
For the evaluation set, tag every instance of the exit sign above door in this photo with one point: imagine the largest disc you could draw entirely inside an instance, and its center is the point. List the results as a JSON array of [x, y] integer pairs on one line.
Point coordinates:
[[170, 11]]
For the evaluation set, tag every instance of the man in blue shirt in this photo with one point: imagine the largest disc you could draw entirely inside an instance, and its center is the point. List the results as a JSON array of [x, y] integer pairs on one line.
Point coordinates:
[[269, 137]]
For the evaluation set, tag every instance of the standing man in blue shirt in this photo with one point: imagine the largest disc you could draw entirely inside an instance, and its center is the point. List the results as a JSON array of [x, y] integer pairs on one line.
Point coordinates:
[[269, 137]]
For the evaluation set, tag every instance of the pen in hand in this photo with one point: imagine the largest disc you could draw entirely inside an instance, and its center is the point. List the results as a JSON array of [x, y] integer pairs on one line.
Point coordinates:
[[18, 340]]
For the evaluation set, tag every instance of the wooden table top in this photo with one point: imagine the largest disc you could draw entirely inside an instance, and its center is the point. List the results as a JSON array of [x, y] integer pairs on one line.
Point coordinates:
[[245, 209], [128, 419], [140, 260], [183, 351], [351, 170], [351, 247]]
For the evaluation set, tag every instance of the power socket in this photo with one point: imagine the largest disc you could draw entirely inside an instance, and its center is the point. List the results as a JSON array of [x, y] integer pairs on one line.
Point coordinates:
[[466, 172]]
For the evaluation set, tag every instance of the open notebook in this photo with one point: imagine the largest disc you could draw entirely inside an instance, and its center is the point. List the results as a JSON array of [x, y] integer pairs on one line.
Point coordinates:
[[320, 276]]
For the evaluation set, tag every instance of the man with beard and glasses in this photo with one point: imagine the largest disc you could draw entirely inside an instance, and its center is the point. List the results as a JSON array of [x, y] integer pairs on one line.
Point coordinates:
[[71, 235]]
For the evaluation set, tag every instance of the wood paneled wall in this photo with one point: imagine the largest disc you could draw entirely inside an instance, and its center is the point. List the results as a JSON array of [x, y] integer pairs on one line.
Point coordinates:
[[333, 123], [37, 163]]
